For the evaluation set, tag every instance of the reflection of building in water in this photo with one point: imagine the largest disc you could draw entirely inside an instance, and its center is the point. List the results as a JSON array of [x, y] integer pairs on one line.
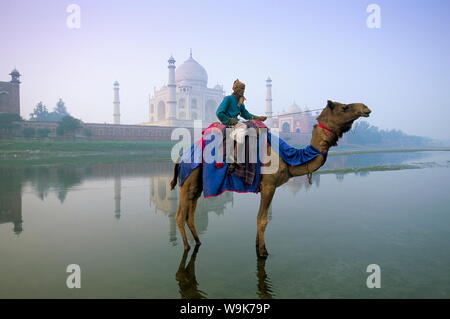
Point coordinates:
[[11, 209], [362, 173], [117, 195], [167, 201], [337, 162], [295, 184], [340, 176]]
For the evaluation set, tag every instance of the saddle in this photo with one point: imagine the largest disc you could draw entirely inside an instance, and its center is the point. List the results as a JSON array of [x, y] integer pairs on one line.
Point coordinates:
[[247, 170]]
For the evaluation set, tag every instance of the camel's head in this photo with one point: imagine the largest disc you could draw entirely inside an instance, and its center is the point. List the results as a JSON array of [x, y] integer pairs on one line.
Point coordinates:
[[342, 116]]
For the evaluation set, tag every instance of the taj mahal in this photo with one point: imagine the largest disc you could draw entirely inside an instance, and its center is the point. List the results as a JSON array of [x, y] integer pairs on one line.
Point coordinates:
[[186, 97]]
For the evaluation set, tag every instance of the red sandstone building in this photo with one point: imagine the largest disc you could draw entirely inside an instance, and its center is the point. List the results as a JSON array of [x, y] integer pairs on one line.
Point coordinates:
[[10, 94]]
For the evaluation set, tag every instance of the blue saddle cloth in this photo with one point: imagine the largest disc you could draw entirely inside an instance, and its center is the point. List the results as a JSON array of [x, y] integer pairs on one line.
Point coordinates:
[[215, 177]]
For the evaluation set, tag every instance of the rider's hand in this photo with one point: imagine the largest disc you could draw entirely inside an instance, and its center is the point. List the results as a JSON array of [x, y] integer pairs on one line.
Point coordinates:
[[260, 118], [233, 121]]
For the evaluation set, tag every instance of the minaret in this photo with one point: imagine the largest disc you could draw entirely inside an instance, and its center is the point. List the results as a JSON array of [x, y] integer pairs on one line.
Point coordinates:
[[116, 103], [269, 101], [172, 101], [14, 101]]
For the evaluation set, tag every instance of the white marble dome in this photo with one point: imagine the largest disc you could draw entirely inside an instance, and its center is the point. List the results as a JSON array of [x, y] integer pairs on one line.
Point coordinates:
[[294, 108], [191, 73]]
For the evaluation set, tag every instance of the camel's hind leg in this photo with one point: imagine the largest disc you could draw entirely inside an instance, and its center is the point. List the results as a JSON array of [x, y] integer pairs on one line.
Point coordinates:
[[180, 217], [191, 221], [189, 193]]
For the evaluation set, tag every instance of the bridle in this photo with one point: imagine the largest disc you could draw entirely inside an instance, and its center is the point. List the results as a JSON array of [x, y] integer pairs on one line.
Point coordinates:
[[329, 130], [308, 173]]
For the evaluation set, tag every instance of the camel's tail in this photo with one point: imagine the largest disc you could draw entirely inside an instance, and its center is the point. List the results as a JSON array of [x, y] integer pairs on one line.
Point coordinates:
[[173, 183]]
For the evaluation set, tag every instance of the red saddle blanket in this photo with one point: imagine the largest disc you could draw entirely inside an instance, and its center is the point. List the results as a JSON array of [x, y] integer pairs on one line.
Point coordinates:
[[246, 171]]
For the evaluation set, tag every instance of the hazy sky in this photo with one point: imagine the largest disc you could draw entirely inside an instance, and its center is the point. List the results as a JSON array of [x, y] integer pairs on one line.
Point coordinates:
[[312, 50]]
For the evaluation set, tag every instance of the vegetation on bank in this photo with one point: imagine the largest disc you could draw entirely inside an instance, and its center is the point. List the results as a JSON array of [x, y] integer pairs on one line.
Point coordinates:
[[68, 126], [21, 145], [22, 152], [48, 153], [379, 168], [41, 113], [394, 150], [362, 133], [80, 159]]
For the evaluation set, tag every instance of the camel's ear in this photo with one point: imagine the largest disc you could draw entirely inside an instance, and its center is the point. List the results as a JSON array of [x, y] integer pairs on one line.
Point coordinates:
[[330, 104]]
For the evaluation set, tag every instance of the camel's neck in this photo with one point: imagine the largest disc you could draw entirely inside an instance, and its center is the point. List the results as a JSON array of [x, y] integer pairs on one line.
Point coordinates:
[[322, 140]]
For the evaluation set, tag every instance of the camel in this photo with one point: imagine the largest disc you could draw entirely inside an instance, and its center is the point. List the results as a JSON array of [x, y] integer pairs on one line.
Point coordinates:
[[334, 120]]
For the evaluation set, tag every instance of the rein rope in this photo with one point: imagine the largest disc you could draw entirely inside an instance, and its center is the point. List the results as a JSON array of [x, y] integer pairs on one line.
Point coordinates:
[[283, 114]]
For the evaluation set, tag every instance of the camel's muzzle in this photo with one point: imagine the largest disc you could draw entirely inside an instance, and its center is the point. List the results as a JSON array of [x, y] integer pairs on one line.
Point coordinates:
[[366, 112]]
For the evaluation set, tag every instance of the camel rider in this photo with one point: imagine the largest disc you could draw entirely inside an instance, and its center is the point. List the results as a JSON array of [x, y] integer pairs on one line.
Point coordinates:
[[231, 107]]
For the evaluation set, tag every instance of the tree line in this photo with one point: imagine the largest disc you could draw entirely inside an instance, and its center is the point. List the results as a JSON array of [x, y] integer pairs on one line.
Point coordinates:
[[363, 133], [67, 124], [41, 114]]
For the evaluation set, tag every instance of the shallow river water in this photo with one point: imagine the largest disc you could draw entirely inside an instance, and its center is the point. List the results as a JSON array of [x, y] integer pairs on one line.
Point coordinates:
[[116, 221]]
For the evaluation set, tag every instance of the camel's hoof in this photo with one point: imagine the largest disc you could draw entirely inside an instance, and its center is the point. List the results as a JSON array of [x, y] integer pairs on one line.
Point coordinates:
[[262, 253], [263, 256]]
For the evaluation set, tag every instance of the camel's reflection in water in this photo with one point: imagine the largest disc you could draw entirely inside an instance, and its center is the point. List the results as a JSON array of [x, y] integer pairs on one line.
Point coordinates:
[[186, 278], [166, 201], [264, 285], [189, 286]]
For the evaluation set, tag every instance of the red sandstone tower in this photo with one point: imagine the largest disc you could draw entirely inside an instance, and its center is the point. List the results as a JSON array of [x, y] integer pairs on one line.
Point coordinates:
[[10, 94]]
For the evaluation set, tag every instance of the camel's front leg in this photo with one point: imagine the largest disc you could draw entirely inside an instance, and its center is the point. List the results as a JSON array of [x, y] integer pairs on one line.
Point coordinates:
[[189, 193], [261, 220]]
